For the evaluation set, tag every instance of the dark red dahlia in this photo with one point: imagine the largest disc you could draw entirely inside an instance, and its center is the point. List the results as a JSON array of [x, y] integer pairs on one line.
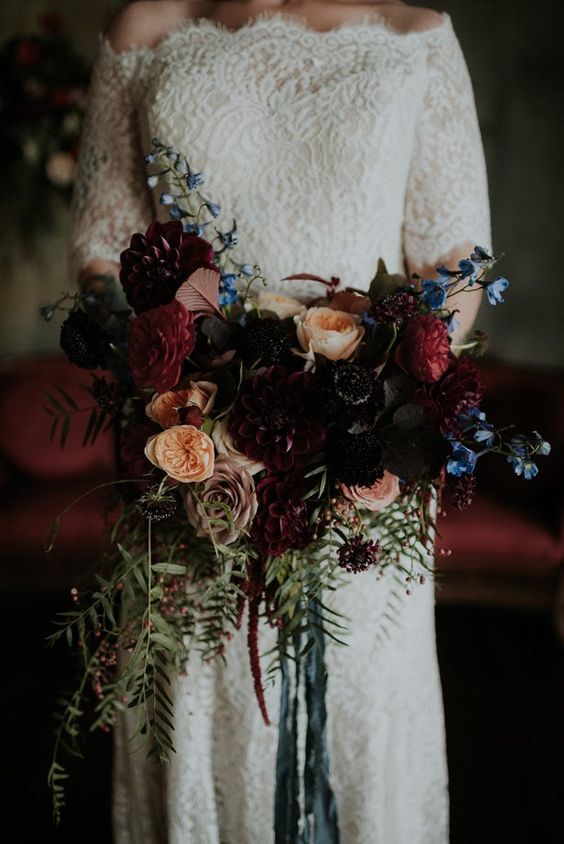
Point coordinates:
[[424, 351], [276, 419], [459, 390], [282, 520], [159, 342], [358, 554], [396, 308], [159, 261]]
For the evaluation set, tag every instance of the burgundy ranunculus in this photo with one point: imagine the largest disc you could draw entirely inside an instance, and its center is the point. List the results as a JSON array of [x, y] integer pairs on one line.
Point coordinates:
[[459, 390], [281, 521], [159, 341], [159, 261], [275, 419], [424, 351], [133, 440]]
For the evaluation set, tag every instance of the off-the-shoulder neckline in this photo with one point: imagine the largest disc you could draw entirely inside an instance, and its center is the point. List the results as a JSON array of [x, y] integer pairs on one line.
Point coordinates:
[[372, 21]]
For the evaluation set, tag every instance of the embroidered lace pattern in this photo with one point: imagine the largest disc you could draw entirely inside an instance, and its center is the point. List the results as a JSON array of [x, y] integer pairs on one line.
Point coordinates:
[[330, 149]]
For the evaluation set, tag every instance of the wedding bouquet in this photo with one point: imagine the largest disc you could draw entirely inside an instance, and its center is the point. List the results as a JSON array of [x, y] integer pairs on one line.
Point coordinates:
[[270, 448]]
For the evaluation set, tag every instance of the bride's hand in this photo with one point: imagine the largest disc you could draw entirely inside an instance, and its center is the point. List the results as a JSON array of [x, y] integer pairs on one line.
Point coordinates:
[[91, 277]]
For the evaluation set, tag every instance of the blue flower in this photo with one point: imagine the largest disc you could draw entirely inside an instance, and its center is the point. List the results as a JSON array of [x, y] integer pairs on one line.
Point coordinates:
[[228, 279], [485, 434], [451, 323], [175, 212], [469, 270], [444, 272], [471, 418], [246, 269], [462, 460], [494, 289], [434, 293], [150, 158], [47, 312], [195, 228], [541, 446], [227, 296], [166, 199], [367, 320], [480, 254], [523, 466], [194, 179], [230, 238], [152, 181]]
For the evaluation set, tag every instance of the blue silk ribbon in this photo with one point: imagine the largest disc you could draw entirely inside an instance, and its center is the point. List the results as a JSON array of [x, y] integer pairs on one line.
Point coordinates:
[[318, 823]]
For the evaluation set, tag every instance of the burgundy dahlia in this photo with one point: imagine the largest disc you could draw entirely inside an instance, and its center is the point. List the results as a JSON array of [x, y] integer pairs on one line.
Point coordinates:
[[459, 390], [275, 419], [159, 341], [358, 554], [282, 520], [159, 261], [396, 308], [424, 351]]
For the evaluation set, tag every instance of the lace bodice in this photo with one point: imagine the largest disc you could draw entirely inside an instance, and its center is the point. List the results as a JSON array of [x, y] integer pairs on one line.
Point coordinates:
[[330, 148]]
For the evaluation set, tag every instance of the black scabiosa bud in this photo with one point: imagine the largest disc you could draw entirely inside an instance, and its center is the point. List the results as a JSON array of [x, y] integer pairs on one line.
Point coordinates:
[[358, 554], [83, 341]]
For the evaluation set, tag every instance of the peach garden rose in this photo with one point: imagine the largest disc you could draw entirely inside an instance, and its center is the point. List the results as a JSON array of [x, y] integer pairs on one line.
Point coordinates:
[[184, 452], [325, 331], [376, 497], [166, 408]]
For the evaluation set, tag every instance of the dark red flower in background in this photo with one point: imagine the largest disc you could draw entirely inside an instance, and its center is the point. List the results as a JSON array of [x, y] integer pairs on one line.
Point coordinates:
[[159, 341], [159, 261], [132, 448], [27, 53], [459, 390], [424, 351], [275, 419], [282, 520]]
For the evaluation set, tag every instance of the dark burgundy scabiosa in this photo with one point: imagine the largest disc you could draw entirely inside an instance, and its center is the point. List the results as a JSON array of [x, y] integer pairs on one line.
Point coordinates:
[[83, 341], [109, 395], [459, 390], [356, 459], [275, 419], [159, 261], [156, 505], [264, 340], [462, 490], [281, 521], [159, 341], [358, 554], [396, 308]]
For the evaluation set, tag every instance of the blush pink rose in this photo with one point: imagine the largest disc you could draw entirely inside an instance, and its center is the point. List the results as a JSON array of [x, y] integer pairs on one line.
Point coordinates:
[[376, 497], [325, 331]]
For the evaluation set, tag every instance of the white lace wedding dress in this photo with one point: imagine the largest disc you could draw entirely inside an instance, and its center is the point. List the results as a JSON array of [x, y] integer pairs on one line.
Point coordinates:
[[329, 149]]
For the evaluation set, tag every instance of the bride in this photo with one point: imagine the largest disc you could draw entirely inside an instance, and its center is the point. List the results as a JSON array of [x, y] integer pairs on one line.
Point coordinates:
[[335, 133]]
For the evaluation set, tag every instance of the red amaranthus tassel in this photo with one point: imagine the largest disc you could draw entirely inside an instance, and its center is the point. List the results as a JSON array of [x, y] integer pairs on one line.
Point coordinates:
[[254, 589]]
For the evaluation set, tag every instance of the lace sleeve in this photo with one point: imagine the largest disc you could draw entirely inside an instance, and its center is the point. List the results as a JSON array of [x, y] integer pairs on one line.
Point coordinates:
[[447, 200], [110, 198]]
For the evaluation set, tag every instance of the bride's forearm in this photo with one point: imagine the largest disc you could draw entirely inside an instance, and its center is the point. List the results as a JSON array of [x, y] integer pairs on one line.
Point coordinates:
[[466, 303], [90, 277]]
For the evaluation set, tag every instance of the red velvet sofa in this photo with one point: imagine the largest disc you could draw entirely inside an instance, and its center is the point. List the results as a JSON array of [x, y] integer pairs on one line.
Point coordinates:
[[507, 549]]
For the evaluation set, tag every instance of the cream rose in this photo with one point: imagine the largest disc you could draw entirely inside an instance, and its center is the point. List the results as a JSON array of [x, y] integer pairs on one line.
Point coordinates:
[[324, 331], [376, 497], [184, 452], [166, 408], [232, 486], [282, 306], [224, 445]]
